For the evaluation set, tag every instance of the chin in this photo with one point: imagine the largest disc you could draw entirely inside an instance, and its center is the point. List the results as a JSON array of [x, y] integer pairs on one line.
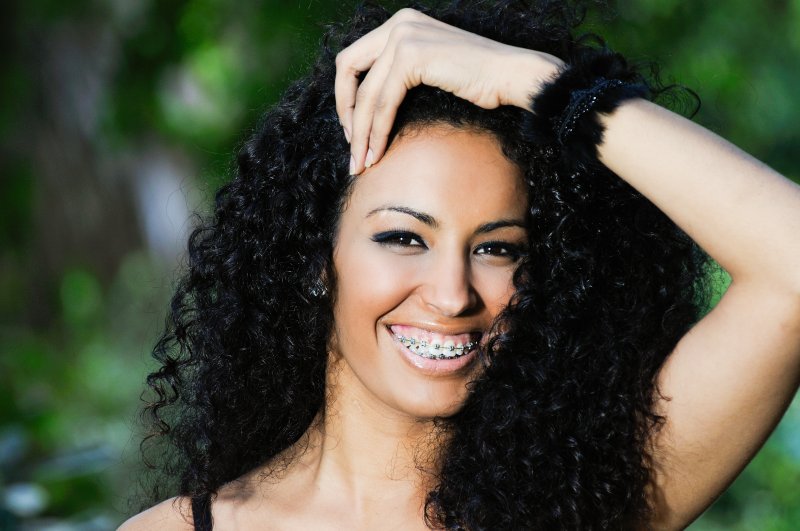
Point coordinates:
[[430, 407]]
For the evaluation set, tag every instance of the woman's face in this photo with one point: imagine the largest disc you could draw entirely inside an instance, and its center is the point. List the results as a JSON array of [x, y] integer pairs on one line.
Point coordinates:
[[424, 257]]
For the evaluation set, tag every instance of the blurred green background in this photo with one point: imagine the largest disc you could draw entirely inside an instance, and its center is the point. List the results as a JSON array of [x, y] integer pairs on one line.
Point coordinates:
[[119, 119]]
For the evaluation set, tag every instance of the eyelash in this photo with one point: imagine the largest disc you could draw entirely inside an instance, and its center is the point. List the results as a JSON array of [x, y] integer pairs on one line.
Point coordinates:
[[514, 252], [402, 238]]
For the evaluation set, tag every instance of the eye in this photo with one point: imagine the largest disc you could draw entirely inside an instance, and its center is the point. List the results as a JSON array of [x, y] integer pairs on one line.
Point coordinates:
[[399, 238], [509, 251]]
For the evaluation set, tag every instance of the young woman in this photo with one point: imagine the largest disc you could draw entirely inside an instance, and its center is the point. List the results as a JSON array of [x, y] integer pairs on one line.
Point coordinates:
[[451, 287]]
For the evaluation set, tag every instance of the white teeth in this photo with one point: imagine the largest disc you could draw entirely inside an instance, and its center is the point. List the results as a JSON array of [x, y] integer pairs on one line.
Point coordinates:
[[433, 351], [449, 350]]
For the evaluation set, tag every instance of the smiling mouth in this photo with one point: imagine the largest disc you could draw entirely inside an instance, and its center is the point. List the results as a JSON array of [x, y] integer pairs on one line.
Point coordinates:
[[433, 346]]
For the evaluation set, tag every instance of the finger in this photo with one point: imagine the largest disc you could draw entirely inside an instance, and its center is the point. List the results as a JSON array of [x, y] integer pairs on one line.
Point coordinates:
[[345, 87], [366, 98], [360, 56], [350, 63], [382, 92], [397, 84]]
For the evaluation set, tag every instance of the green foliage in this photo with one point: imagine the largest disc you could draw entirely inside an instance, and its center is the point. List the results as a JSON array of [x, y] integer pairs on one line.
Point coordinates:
[[69, 395], [193, 75], [741, 59]]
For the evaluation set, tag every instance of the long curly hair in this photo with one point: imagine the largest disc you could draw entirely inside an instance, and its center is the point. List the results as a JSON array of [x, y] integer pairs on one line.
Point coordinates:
[[554, 434]]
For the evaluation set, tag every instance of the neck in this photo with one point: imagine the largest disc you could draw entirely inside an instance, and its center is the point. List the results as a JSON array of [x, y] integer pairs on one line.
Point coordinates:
[[366, 451]]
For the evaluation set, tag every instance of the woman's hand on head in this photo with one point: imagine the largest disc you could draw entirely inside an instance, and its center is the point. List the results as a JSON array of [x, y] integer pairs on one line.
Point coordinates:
[[412, 49]]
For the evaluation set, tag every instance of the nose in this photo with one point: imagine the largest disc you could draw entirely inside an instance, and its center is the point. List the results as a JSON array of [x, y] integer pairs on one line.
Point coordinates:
[[448, 286]]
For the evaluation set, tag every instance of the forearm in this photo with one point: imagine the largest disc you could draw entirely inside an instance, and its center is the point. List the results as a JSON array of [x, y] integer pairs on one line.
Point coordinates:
[[732, 376], [744, 214]]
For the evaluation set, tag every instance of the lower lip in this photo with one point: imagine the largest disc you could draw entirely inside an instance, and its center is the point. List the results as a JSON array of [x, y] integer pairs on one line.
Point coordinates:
[[433, 367]]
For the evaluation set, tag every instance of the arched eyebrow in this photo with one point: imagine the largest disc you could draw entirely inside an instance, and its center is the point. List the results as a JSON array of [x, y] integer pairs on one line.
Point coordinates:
[[499, 224], [429, 220]]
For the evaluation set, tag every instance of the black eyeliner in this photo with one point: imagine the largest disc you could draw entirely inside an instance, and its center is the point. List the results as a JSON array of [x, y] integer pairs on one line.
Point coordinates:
[[513, 250], [385, 236], [392, 236]]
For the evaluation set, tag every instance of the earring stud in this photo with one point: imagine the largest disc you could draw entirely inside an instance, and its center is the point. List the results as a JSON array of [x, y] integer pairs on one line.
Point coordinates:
[[318, 290]]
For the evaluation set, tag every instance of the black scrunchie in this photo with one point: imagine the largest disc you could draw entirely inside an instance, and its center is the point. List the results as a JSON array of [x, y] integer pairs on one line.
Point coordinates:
[[565, 111]]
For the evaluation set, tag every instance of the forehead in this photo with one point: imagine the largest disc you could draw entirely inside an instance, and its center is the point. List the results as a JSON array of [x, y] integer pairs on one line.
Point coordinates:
[[444, 171]]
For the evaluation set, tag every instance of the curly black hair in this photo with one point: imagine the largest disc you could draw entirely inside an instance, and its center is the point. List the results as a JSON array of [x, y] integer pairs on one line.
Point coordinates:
[[554, 433]]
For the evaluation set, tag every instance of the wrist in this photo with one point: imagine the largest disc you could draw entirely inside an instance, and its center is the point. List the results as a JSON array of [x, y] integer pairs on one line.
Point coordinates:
[[566, 109], [539, 69]]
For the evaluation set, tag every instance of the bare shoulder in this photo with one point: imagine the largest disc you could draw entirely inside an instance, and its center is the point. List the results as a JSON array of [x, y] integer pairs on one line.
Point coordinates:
[[174, 514]]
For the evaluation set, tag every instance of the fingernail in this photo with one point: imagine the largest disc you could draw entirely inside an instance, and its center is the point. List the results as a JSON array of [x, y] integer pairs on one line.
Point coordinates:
[[370, 158], [346, 134], [352, 165]]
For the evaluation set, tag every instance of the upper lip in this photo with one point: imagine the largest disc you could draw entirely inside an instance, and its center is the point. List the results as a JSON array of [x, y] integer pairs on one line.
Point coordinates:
[[438, 329]]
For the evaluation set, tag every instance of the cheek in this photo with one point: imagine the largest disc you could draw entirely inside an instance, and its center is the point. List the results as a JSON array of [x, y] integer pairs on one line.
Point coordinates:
[[371, 283], [496, 289]]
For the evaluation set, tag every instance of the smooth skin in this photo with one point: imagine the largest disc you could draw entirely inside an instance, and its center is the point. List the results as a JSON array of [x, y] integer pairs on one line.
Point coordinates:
[[733, 375], [445, 263], [731, 378], [413, 249]]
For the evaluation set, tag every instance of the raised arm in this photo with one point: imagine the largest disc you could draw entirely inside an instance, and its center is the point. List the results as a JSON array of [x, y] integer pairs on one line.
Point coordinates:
[[732, 376]]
